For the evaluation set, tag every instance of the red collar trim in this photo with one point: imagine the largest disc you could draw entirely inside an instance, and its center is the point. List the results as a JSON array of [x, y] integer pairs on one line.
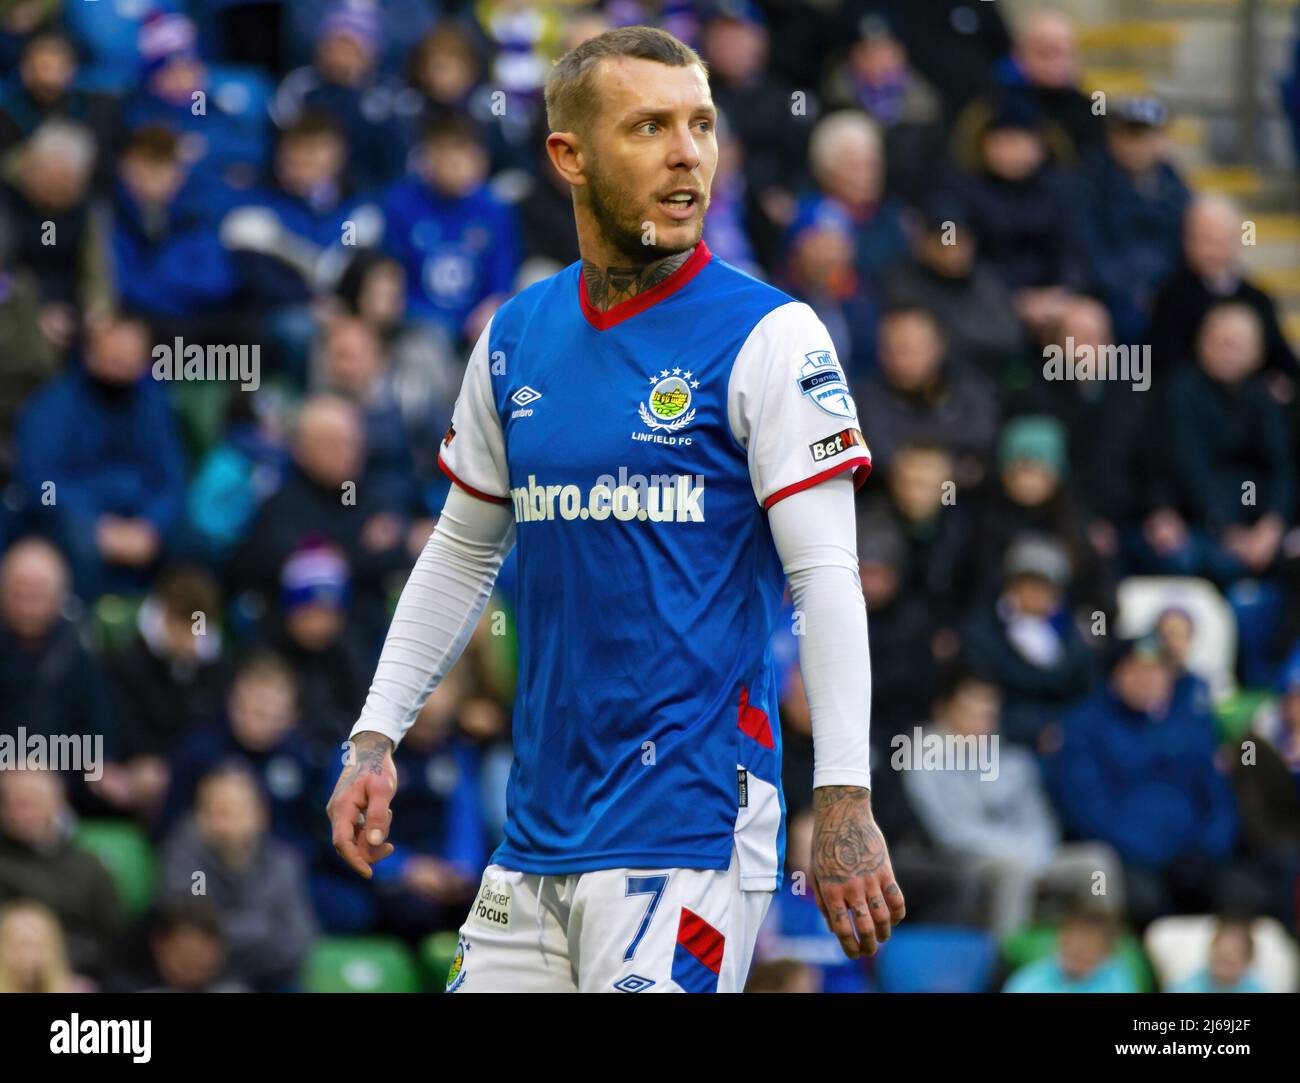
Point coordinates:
[[602, 321]]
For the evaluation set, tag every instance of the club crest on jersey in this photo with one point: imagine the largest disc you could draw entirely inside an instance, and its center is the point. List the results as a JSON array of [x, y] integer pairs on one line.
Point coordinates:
[[456, 974], [668, 407], [822, 381]]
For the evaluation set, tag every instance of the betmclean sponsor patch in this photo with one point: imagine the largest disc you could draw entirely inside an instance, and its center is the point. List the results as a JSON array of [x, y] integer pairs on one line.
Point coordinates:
[[830, 446]]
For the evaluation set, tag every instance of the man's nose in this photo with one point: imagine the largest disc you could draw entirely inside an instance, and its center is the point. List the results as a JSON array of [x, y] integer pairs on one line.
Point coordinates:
[[684, 151]]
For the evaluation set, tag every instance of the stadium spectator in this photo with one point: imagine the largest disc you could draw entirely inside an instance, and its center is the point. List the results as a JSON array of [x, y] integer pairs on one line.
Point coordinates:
[[944, 274], [260, 728], [299, 229], [326, 496], [39, 861], [456, 240], [1136, 769], [33, 958], [1226, 486], [189, 951], [1044, 64], [256, 883], [1210, 273], [820, 272], [351, 363], [49, 682], [100, 460], [346, 81], [847, 160], [876, 77], [1134, 203], [1107, 478], [46, 88], [1082, 962], [1027, 642], [1228, 964], [924, 395], [167, 258], [1024, 212], [219, 150], [438, 829], [1031, 496], [993, 816], [58, 235], [27, 356], [919, 499], [735, 44]]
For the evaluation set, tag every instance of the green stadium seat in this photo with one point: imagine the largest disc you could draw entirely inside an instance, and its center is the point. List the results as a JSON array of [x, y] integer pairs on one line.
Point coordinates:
[[436, 954], [113, 620], [125, 850], [1236, 713], [1034, 941], [361, 964]]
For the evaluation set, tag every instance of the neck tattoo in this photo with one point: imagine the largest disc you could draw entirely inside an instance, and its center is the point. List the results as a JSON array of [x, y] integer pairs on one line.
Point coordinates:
[[608, 286]]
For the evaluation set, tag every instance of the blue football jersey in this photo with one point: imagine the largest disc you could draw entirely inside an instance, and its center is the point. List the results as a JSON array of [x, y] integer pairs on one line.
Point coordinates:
[[639, 449]]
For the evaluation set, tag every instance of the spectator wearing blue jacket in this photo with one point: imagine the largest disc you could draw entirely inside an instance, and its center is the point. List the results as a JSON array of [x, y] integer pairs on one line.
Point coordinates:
[[1134, 202], [260, 729], [1083, 961], [1136, 769], [223, 152], [458, 243], [294, 237], [167, 258], [346, 81], [438, 829], [100, 460]]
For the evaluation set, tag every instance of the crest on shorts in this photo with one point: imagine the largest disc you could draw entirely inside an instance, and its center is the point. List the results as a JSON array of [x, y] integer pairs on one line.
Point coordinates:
[[456, 974]]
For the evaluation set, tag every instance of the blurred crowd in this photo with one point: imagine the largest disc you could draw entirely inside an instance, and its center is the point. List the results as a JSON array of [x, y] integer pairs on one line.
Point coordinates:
[[1100, 568]]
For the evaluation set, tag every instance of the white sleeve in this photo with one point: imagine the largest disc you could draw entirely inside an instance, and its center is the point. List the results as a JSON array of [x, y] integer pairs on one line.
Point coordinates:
[[815, 532], [473, 452], [790, 408], [437, 611]]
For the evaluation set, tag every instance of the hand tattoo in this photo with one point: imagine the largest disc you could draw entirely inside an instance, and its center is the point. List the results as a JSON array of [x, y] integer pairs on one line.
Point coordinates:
[[609, 286], [368, 755], [846, 842]]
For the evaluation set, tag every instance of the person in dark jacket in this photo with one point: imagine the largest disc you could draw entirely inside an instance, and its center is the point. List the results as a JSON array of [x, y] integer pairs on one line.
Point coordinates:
[[1134, 202], [922, 396], [1226, 484], [39, 860], [260, 727], [1024, 211], [327, 497], [1027, 642], [100, 460], [1210, 273], [945, 275], [49, 682], [257, 883], [1136, 768]]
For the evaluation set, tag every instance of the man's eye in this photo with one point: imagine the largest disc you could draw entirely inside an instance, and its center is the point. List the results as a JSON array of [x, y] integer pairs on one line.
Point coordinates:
[[649, 124], [707, 125]]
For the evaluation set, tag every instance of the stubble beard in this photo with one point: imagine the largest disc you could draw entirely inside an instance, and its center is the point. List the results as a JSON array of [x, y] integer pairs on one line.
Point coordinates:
[[623, 228]]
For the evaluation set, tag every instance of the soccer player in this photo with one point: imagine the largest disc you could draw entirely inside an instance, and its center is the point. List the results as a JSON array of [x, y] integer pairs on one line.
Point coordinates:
[[664, 439]]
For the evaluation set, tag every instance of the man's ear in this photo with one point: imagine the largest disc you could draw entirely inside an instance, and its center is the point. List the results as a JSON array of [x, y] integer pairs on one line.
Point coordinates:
[[566, 154]]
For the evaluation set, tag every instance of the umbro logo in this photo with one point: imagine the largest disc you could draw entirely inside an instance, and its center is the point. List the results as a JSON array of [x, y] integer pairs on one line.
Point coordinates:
[[522, 398]]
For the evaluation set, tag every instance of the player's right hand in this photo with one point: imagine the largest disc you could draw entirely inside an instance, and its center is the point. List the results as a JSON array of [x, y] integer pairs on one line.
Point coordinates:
[[359, 807]]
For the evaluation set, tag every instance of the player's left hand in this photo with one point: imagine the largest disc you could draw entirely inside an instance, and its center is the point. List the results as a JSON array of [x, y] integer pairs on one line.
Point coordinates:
[[852, 876]]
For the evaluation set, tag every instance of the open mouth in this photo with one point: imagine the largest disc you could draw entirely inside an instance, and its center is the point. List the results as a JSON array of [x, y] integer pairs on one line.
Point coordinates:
[[679, 204]]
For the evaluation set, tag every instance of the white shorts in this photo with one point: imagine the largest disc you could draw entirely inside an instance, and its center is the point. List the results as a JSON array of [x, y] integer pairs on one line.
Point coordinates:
[[614, 930]]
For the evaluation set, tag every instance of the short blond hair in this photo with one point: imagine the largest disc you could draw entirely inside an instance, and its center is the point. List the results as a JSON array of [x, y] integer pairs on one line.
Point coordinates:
[[570, 101]]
